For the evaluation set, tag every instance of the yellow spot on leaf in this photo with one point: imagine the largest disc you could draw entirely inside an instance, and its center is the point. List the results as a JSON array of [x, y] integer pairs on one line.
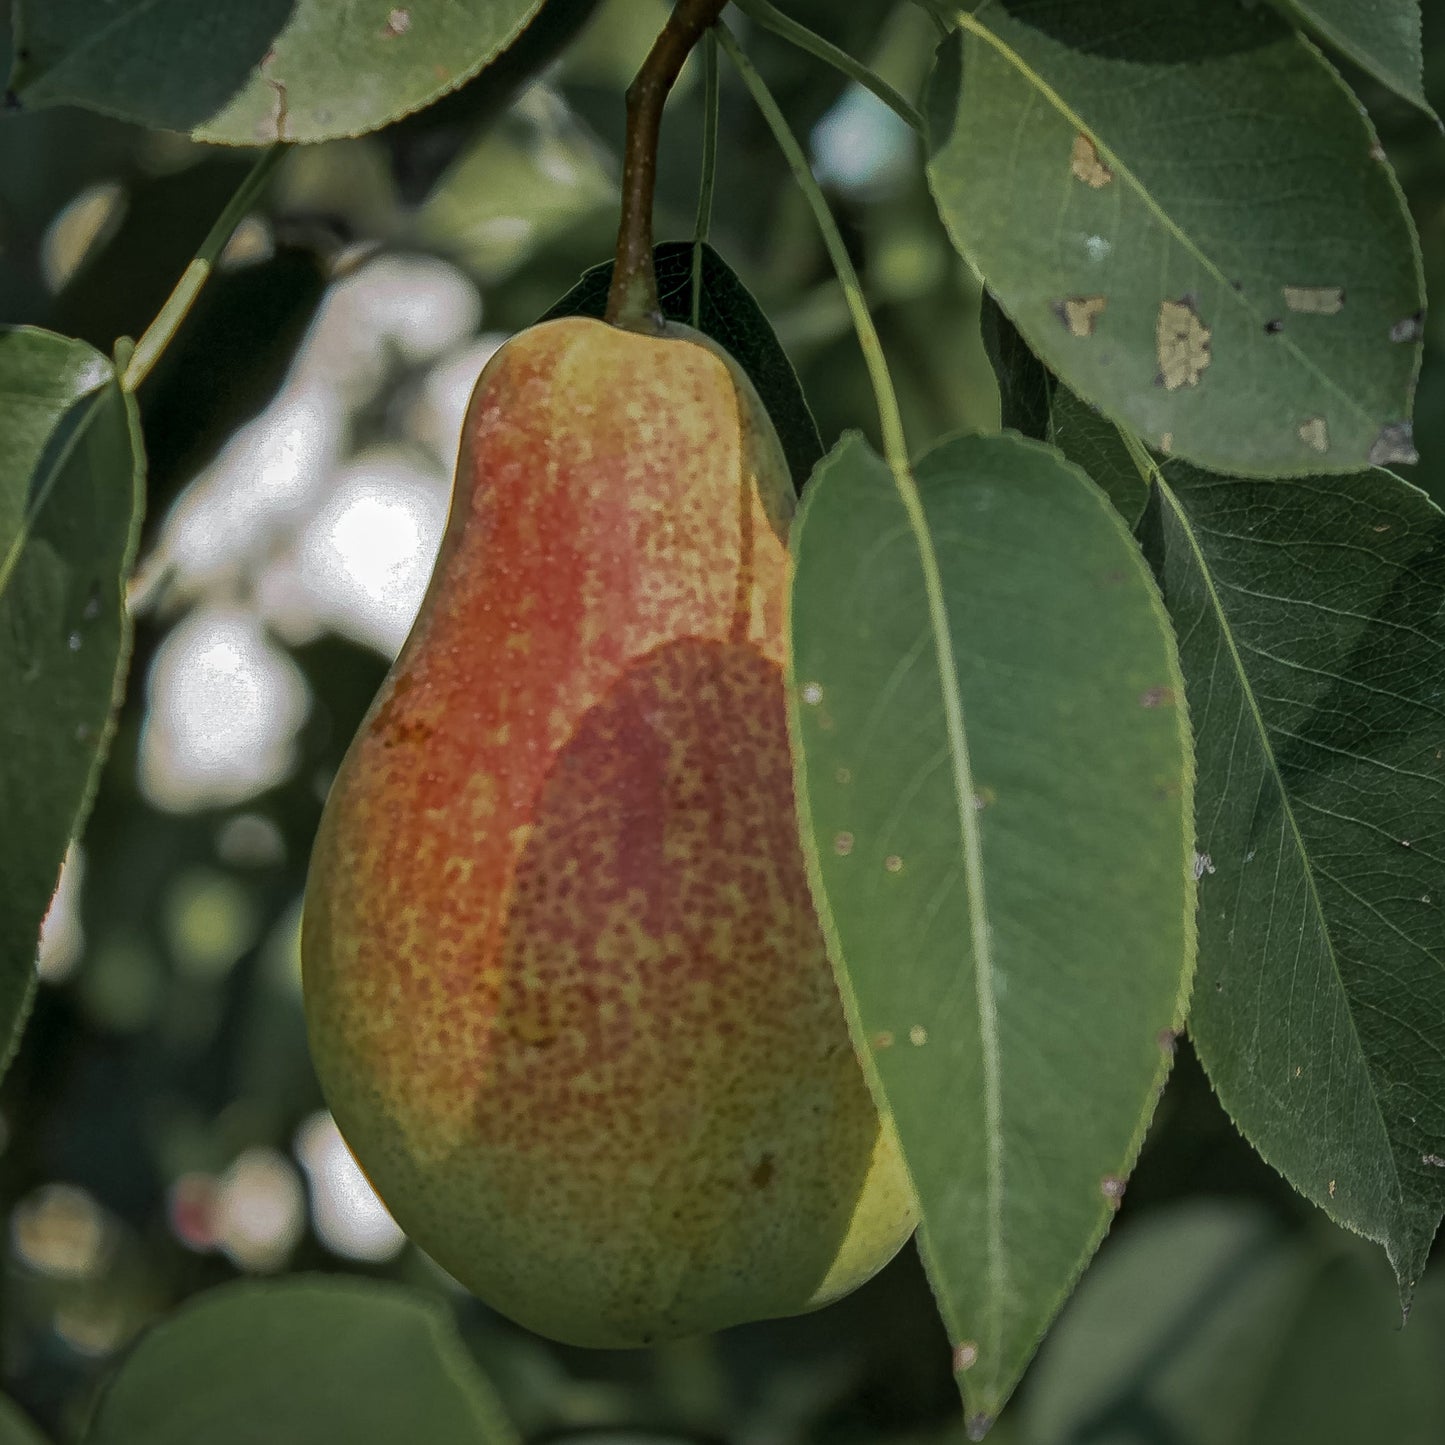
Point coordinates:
[[1080, 312], [1182, 341], [1315, 434], [918, 1036], [965, 1356], [1085, 163], [1315, 300]]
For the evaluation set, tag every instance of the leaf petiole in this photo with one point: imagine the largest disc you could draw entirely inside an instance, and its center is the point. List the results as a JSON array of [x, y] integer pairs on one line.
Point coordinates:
[[150, 348], [709, 170], [771, 18]]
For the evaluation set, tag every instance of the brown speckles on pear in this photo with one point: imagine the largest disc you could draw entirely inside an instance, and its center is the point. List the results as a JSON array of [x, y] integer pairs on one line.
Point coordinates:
[[565, 986]]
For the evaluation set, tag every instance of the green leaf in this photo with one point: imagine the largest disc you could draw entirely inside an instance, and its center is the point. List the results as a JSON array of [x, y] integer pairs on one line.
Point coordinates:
[[736, 322], [999, 834], [1188, 217], [15, 1428], [1207, 1325], [1093, 442], [1312, 636], [1382, 37], [1032, 402], [299, 1361], [1024, 384], [70, 493], [266, 70]]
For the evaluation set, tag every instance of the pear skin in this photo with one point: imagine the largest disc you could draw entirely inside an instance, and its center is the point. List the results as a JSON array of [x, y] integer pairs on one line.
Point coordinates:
[[566, 991]]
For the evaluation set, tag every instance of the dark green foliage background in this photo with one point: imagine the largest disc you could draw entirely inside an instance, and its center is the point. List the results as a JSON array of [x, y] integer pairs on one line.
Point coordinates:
[[118, 1099]]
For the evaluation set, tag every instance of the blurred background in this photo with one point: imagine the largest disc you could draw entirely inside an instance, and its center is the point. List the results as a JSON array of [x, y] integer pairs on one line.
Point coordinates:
[[161, 1130]]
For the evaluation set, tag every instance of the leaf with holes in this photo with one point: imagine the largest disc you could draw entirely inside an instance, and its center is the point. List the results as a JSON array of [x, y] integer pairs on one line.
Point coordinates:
[[70, 494], [266, 70], [298, 1361], [1234, 279], [1311, 620], [1380, 36], [995, 783]]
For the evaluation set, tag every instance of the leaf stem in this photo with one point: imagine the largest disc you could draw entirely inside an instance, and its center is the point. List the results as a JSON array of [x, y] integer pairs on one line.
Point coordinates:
[[632, 300], [771, 18], [890, 418], [709, 170], [152, 345]]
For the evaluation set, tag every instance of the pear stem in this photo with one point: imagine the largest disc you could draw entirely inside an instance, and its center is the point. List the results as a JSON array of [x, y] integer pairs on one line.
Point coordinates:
[[632, 300]]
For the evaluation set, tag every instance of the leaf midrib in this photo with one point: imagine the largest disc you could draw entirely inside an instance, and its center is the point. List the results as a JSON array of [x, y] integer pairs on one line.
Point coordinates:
[[910, 495]]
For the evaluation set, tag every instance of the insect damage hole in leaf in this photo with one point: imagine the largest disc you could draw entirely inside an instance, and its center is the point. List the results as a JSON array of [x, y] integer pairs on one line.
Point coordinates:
[[1086, 165], [1183, 342], [1315, 300], [1079, 313]]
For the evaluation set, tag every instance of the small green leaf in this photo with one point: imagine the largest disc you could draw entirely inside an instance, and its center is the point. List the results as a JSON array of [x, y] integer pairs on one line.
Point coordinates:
[[1380, 36], [253, 73], [298, 1361], [15, 1429], [997, 811], [1312, 636], [1206, 1324], [1234, 278], [736, 322], [70, 496]]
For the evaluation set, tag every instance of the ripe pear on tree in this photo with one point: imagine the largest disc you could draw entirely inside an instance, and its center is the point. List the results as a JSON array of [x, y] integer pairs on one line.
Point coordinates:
[[567, 994]]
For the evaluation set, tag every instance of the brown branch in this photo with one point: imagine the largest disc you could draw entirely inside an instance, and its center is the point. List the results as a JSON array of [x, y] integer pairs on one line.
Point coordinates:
[[632, 301]]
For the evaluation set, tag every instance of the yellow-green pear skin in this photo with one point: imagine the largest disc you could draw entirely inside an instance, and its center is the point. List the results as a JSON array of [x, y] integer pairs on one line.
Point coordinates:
[[566, 991]]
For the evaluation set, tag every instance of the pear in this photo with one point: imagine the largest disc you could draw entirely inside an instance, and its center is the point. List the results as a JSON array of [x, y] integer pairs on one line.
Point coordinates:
[[566, 991]]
